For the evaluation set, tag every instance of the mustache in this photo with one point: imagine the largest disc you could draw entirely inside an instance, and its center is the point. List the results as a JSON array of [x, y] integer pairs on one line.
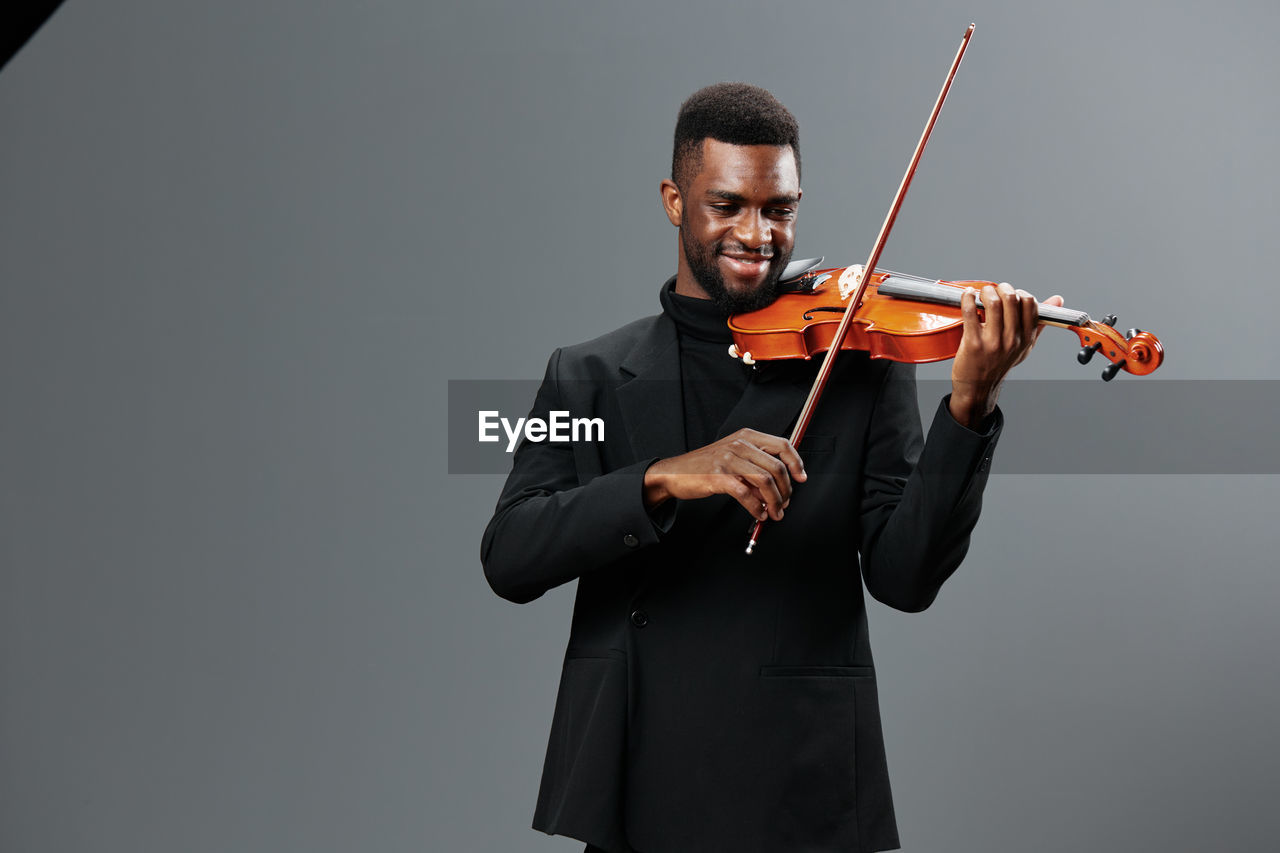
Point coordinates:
[[739, 249]]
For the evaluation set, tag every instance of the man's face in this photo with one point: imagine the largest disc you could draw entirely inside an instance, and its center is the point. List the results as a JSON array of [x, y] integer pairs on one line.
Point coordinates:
[[737, 223]]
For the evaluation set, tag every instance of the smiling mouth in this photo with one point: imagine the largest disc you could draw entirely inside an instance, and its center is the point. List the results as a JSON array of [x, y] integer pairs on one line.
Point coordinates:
[[747, 266]]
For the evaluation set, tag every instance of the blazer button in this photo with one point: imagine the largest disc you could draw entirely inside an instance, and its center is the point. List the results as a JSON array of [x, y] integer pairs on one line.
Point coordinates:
[[639, 618], [630, 540]]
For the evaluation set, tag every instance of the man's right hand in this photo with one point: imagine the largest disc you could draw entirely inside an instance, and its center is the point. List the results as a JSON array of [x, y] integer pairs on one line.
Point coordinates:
[[755, 468]]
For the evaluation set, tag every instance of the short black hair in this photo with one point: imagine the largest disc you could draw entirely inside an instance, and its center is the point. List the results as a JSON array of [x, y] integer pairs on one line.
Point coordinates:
[[736, 113]]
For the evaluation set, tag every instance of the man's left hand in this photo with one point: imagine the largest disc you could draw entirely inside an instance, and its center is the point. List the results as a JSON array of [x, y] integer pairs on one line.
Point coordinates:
[[991, 346]]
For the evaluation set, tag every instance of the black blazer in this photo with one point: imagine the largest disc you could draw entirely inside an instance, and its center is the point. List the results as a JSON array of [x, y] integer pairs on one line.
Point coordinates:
[[711, 701]]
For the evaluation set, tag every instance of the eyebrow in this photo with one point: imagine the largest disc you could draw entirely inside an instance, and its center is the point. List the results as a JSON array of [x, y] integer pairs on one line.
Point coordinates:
[[738, 198]]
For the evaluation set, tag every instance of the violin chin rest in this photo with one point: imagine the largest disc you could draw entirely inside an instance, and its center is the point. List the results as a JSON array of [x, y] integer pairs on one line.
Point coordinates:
[[795, 269]]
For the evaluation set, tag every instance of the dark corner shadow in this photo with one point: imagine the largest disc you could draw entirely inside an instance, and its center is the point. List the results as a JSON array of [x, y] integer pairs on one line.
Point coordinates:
[[19, 22]]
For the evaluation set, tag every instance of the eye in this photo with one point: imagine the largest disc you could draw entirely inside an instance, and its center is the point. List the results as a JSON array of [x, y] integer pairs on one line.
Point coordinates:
[[782, 212], [724, 208]]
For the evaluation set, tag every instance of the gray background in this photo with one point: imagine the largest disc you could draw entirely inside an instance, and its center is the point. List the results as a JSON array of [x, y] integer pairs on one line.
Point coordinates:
[[243, 247]]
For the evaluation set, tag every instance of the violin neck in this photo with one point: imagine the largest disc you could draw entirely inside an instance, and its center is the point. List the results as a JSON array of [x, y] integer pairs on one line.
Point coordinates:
[[939, 293]]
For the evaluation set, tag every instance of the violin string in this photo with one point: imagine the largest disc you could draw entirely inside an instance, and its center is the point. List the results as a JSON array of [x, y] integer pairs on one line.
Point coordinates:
[[945, 293]]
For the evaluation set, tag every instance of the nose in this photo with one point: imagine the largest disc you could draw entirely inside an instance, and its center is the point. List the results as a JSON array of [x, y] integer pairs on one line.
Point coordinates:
[[752, 230]]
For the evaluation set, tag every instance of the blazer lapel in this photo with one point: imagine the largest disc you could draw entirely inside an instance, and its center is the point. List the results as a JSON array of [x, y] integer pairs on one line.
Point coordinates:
[[773, 398], [651, 401]]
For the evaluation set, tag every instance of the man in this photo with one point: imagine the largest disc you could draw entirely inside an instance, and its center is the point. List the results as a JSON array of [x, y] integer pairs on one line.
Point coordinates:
[[713, 701]]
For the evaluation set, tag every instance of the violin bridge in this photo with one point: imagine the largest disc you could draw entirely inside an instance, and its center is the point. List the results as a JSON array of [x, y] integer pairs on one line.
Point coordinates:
[[849, 280]]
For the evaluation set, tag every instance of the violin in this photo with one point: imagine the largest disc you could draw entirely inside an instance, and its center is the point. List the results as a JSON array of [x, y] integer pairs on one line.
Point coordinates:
[[909, 319], [900, 317]]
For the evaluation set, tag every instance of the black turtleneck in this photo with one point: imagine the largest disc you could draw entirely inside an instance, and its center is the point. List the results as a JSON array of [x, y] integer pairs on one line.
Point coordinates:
[[712, 381]]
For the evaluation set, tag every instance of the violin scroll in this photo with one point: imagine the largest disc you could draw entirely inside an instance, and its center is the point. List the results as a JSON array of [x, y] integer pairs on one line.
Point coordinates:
[[1135, 352]]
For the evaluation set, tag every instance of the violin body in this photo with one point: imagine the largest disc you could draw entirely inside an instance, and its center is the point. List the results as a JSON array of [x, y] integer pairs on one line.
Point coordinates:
[[908, 319], [802, 322]]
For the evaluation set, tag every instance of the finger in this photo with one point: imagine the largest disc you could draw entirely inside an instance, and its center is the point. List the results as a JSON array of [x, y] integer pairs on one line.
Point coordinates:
[[765, 475], [1054, 301], [1029, 325], [969, 313], [747, 496], [993, 323], [1011, 309], [747, 474], [779, 447], [769, 475], [1030, 315], [771, 465], [763, 484]]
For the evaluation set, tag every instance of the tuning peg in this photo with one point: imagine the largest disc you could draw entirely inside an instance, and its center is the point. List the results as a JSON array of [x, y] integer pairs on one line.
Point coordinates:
[[1087, 353], [1109, 320], [1109, 372]]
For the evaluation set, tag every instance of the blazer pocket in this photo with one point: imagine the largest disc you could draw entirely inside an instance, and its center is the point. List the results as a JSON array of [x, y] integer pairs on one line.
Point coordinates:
[[585, 766], [817, 444], [594, 653], [775, 671]]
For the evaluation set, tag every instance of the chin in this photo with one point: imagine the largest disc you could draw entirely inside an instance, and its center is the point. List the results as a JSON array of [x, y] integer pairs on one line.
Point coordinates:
[[746, 291], [741, 298]]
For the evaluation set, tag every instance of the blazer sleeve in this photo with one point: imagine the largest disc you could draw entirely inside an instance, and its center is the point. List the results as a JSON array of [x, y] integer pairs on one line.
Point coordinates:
[[548, 527], [920, 500]]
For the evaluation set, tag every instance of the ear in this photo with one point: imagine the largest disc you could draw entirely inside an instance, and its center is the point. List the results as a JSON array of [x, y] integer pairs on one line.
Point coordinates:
[[672, 202]]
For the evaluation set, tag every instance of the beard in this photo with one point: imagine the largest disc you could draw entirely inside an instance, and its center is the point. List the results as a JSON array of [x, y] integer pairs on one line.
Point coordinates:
[[706, 271]]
